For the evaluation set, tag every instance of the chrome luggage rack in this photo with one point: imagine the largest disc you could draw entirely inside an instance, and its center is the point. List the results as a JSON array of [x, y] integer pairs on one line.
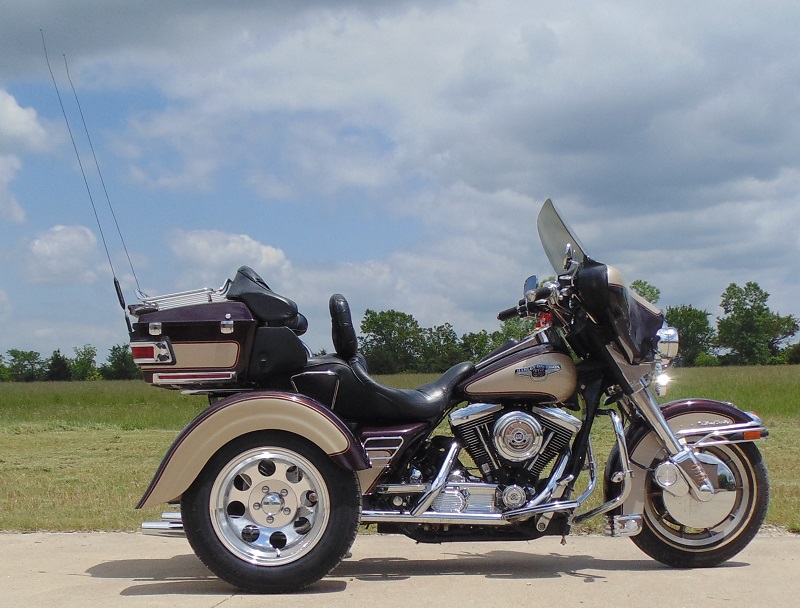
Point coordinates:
[[185, 298]]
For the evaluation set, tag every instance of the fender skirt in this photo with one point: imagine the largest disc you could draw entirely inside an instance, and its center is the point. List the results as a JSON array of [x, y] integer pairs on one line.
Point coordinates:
[[705, 420], [246, 413]]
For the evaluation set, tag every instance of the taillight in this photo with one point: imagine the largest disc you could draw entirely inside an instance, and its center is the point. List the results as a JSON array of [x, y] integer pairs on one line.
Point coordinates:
[[151, 352], [147, 351]]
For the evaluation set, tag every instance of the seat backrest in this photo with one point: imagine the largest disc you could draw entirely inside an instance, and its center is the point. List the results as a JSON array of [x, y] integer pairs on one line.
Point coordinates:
[[342, 331], [267, 306]]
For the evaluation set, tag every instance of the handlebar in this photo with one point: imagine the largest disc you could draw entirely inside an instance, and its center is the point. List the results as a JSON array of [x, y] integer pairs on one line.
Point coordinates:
[[508, 313], [534, 301]]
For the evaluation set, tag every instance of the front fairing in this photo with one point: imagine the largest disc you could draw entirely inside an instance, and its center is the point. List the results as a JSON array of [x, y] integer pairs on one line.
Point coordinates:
[[624, 317], [631, 321]]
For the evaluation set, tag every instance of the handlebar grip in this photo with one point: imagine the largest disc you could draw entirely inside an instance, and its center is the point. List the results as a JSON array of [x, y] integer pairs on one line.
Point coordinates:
[[508, 313], [542, 293]]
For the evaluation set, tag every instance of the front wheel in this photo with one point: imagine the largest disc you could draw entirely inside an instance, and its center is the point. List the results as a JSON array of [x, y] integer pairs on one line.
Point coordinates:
[[685, 533], [271, 513]]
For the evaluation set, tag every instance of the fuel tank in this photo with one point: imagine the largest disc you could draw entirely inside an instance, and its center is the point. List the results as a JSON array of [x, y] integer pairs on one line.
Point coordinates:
[[531, 371]]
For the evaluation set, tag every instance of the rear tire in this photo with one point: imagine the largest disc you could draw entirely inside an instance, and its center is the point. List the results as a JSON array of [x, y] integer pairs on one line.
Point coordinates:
[[271, 513], [685, 533]]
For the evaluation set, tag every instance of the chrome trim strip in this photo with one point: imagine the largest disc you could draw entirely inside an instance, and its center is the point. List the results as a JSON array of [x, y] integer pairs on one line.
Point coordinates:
[[417, 488], [433, 517], [538, 336], [192, 377], [719, 436], [486, 519]]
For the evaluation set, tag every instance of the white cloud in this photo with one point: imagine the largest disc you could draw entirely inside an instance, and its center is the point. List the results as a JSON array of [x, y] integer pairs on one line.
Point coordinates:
[[211, 256], [20, 131], [10, 209], [19, 127], [62, 255]]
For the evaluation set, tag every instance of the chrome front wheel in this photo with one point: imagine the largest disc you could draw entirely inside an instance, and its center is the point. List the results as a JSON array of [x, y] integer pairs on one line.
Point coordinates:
[[683, 532]]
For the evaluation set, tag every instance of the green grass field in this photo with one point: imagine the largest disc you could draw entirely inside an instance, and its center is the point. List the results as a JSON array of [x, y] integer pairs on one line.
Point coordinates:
[[77, 456]]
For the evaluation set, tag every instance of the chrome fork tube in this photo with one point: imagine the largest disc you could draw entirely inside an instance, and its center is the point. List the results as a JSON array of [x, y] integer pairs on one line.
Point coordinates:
[[682, 457], [648, 407]]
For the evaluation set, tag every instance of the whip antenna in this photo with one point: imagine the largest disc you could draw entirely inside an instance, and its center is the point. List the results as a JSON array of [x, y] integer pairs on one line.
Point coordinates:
[[88, 190], [100, 174]]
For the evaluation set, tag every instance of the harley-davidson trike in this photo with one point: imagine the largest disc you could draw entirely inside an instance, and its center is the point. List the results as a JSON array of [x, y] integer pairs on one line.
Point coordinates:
[[295, 451]]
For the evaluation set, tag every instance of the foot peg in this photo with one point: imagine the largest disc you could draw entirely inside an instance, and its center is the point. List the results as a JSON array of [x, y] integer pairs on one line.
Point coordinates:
[[623, 525]]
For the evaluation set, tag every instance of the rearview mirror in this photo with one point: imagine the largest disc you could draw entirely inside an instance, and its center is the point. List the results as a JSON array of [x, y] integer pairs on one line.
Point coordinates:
[[531, 284], [668, 342]]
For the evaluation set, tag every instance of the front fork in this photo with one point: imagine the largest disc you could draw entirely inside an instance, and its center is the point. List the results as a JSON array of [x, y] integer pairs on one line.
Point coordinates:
[[681, 472]]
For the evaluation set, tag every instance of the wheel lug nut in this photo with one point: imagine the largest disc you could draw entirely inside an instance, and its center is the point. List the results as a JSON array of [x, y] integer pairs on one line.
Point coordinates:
[[270, 519], [257, 506], [265, 489], [286, 511], [284, 492]]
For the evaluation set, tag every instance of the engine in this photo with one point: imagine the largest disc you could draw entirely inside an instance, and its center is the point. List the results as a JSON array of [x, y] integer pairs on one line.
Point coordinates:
[[523, 442]]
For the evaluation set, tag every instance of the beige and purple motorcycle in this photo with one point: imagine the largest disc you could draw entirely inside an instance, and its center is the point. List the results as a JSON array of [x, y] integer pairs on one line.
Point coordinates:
[[295, 451]]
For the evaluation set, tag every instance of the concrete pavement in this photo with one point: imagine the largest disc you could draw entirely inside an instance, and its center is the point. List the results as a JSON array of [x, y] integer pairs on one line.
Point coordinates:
[[131, 570]]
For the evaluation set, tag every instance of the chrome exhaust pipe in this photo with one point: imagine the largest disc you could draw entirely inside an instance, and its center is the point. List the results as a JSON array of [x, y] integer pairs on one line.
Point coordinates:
[[170, 526]]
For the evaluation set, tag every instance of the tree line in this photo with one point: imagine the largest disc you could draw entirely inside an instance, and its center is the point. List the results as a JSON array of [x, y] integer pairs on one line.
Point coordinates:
[[748, 333], [394, 342], [29, 366]]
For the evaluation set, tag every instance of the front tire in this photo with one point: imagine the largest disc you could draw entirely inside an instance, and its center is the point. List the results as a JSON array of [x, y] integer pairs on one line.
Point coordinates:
[[271, 513], [685, 533]]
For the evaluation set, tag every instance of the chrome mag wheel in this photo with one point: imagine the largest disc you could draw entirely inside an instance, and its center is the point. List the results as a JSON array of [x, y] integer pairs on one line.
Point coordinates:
[[269, 506], [271, 513], [683, 532]]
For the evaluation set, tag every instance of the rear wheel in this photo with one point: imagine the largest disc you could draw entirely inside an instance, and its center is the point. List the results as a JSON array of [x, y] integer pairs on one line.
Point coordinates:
[[271, 513], [686, 533]]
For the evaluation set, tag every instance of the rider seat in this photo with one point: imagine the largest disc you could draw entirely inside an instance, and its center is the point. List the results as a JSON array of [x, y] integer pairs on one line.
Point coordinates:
[[377, 402]]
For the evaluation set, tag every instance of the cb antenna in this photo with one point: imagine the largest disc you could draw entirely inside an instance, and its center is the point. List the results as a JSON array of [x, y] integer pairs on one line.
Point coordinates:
[[117, 286], [100, 174]]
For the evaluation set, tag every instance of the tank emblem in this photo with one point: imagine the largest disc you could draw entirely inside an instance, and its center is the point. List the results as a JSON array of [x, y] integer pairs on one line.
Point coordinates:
[[537, 373]]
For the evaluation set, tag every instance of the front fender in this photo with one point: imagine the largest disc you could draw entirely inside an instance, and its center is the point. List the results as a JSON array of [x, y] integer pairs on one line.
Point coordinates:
[[245, 413], [689, 419]]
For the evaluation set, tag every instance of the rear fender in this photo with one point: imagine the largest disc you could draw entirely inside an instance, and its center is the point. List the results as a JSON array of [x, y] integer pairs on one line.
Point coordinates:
[[245, 413], [700, 422]]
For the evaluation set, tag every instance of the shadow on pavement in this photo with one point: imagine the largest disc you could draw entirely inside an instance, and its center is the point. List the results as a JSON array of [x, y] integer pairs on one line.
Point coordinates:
[[186, 575]]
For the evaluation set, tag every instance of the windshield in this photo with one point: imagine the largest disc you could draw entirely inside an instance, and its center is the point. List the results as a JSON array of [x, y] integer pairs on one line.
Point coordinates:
[[555, 236], [632, 321]]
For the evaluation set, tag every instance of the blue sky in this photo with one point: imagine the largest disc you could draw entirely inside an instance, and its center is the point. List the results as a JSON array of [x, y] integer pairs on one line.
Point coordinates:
[[396, 152]]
